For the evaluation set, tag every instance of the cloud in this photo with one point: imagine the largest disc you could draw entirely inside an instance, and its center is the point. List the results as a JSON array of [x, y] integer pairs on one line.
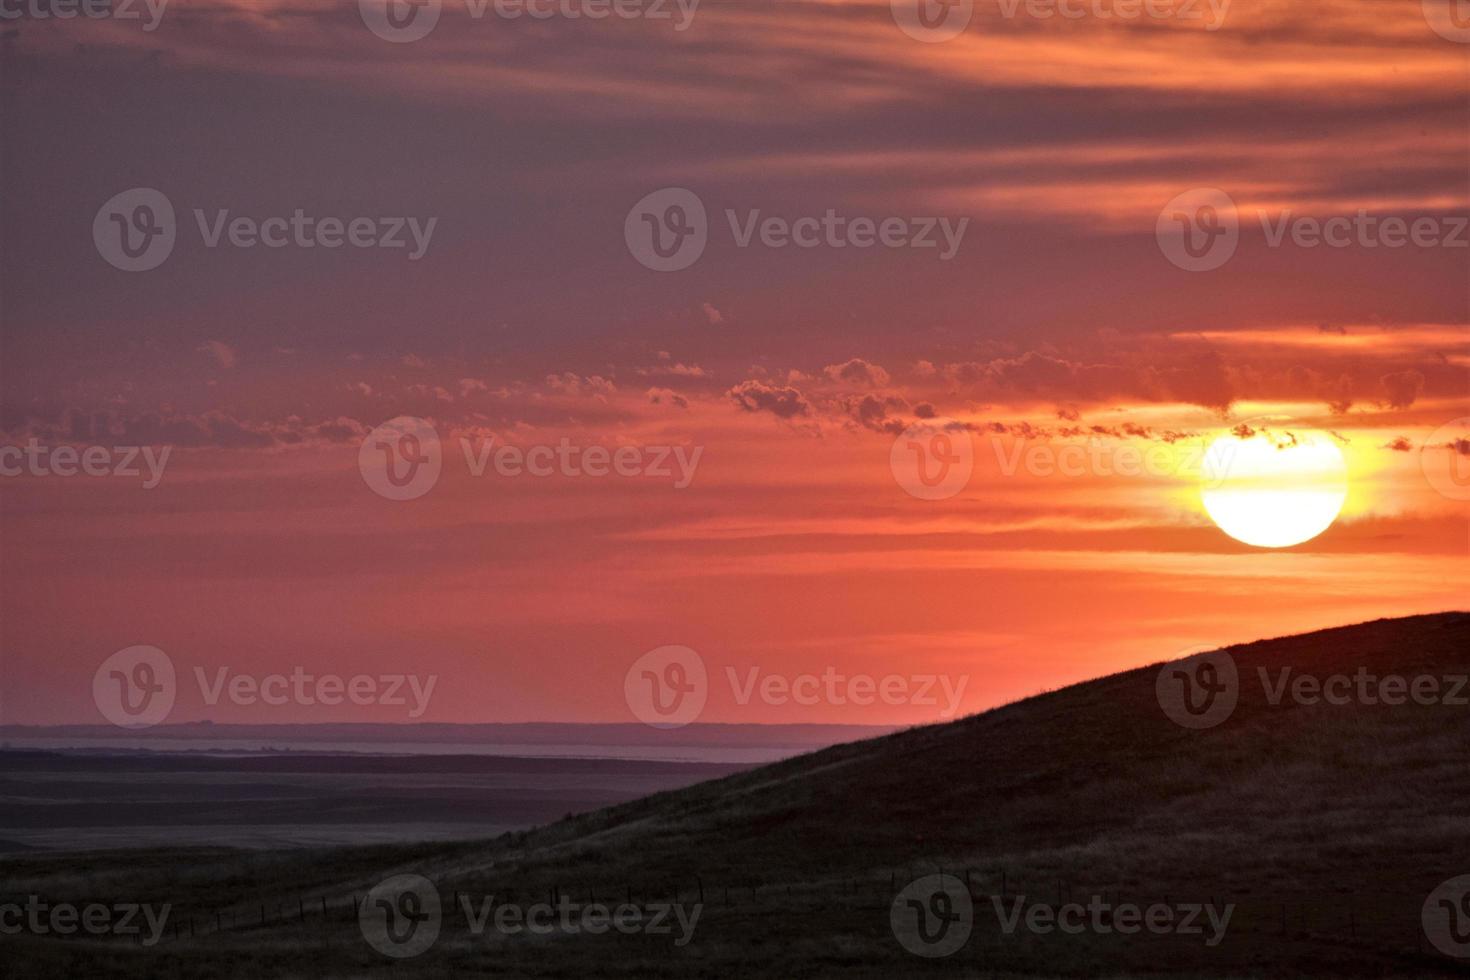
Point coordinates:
[[1399, 445], [1403, 387], [857, 371], [224, 355], [782, 402], [1194, 378], [217, 430], [436, 392], [657, 396], [572, 384], [871, 412], [1461, 446], [679, 369], [714, 316]]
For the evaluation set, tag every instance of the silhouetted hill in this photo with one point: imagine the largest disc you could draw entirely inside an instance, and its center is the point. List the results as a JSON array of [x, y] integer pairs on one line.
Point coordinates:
[[1324, 826]]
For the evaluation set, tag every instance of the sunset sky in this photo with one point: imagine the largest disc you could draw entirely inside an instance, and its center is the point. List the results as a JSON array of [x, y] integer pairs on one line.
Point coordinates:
[[794, 548]]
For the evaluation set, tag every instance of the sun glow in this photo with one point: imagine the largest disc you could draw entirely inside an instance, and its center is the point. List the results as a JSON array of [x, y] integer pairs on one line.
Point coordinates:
[[1274, 488]]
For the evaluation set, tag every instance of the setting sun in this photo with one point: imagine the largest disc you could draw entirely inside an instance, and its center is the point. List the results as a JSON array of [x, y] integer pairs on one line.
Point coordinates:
[[1274, 488]]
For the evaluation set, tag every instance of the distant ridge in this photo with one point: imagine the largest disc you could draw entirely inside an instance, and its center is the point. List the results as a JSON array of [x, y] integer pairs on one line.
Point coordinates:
[[544, 733]]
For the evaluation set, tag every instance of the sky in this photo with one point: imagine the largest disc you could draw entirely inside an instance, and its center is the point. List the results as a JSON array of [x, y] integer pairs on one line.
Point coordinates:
[[776, 251]]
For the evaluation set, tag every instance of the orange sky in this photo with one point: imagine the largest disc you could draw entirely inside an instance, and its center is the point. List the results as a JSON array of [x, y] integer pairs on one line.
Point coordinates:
[[793, 549]]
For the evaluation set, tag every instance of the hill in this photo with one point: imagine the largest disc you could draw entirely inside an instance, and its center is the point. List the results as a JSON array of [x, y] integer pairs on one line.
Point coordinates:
[[1315, 830]]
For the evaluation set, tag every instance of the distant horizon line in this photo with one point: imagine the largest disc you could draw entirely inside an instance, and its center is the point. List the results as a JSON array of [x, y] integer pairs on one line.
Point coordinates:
[[104, 726]]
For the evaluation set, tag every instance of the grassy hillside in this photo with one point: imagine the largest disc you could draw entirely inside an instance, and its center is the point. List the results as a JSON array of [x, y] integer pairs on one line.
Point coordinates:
[[1324, 826]]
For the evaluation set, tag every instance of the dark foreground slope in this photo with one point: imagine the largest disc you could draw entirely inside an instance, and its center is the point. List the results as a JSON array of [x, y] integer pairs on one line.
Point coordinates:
[[1325, 826]]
